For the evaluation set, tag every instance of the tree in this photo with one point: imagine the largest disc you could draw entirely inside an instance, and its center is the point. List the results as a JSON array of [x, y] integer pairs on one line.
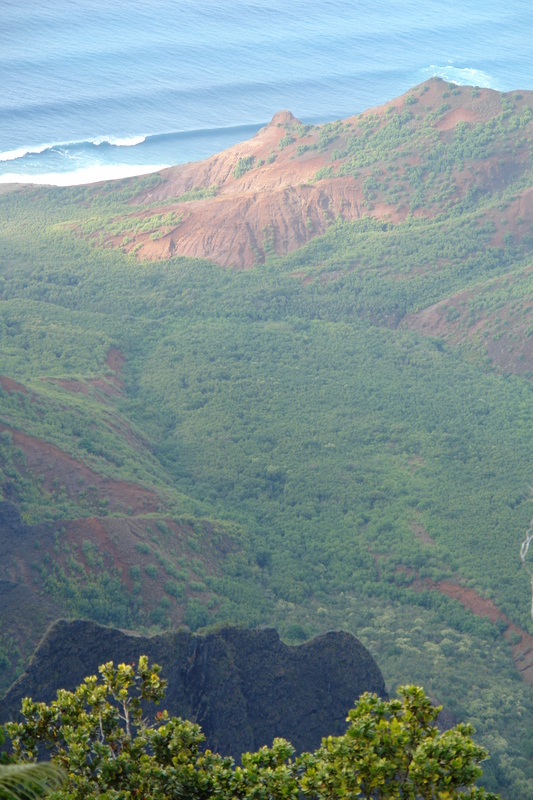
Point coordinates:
[[393, 749], [99, 735]]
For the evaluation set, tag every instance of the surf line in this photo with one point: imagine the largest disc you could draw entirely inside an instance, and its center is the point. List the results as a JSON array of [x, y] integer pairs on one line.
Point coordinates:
[[523, 553]]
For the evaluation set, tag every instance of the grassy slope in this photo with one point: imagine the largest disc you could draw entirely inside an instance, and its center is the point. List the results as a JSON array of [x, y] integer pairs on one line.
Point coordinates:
[[286, 404]]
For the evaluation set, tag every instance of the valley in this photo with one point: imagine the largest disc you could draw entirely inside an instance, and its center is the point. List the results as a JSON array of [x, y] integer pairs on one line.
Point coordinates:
[[291, 386]]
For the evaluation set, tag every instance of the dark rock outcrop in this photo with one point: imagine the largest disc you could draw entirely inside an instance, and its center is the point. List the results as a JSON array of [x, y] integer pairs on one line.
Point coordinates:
[[244, 687]]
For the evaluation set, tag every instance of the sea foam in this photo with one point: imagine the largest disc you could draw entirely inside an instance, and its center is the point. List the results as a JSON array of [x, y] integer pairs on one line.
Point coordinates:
[[127, 141], [12, 155], [114, 141], [95, 174], [464, 76]]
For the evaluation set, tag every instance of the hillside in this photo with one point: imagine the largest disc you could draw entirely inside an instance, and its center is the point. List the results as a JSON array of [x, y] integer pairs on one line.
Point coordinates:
[[310, 425], [431, 150], [243, 687]]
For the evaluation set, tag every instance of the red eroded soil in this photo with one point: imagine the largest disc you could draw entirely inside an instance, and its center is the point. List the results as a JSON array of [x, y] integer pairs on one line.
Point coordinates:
[[482, 607], [111, 386], [119, 537], [78, 387], [450, 120], [432, 321], [501, 334], [233, 228], [120, 544], [472, 600], [278, 205], [9, 385], [218, 170], [93, 529], [116, 537], [58, 469], [510, 355], [114, 359]]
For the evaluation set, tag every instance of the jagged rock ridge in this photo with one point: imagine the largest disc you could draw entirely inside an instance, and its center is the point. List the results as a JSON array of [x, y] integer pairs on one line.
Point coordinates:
[[244, 687]]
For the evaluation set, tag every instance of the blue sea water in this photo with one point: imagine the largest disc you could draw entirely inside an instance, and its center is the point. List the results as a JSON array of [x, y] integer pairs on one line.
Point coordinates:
[[97, 89]]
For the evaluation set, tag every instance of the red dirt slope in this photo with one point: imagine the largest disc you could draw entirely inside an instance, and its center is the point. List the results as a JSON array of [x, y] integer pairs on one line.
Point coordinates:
[[56, 468], [522, 651], [498, 332], [278, 202]]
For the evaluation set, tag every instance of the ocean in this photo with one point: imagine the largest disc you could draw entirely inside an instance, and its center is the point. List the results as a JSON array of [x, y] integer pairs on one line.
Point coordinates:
[[99, 89]]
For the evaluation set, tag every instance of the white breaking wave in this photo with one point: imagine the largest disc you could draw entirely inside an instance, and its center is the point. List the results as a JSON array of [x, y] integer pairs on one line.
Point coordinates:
[[464, 76], [115, 141], [12, 155], [127, 141], [100, 172]]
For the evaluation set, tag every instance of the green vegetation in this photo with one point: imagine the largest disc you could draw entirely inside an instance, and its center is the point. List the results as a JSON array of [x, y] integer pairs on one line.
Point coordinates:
[[344, 462], [29, 781], [304, 148], [132, 224], [99, 736], [197, 193], [285, 141], [244, 165]]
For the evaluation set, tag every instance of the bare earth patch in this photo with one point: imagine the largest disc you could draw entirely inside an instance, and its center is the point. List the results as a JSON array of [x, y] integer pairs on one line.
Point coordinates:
[[56, 467], [449, 121], [422, 534], [9, 385], [522, 652], [502, 336]]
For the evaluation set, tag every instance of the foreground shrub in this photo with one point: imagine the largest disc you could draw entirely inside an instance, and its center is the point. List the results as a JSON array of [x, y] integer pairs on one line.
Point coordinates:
[[98, 735]]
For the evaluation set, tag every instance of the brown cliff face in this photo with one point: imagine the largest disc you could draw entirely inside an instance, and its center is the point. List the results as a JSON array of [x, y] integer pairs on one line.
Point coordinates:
[[275, 192], [244, 687]]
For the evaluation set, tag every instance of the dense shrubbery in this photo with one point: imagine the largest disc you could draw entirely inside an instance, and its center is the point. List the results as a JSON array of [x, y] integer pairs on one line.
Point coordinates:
[[99, 737], [243, 165]]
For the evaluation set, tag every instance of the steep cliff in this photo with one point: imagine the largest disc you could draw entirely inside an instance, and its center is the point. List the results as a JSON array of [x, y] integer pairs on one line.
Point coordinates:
[[244, 687]]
